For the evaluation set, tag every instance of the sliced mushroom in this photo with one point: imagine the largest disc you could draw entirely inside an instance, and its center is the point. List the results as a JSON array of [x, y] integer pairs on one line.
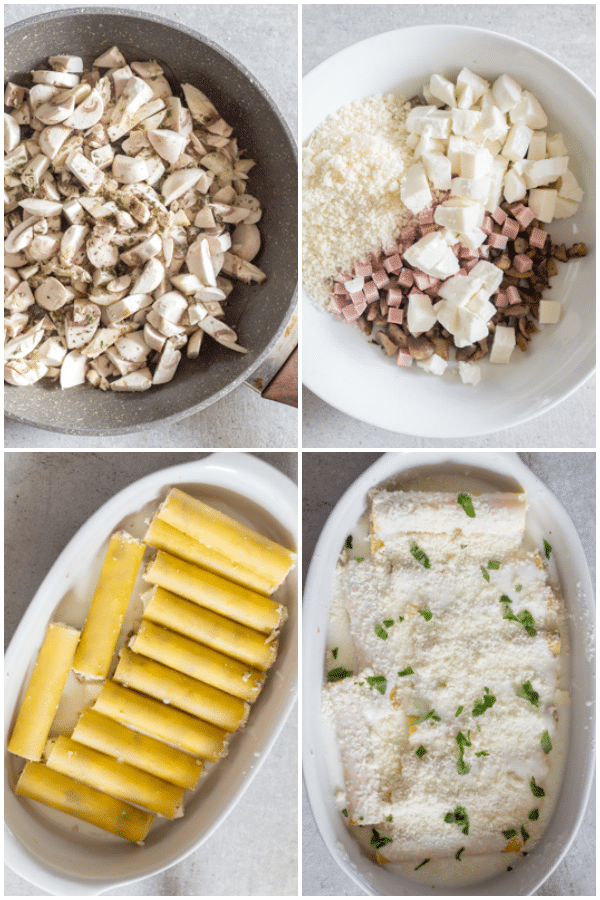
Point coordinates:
[[194, 344], [81, 323], [143, 251], [23, 372], [110, 58], [128, 169], [21, 346], [53, 295], [168, 144], [221, 333], [87, 113], [52, 113], [242, 269], [21, 236], [12, 133], [199, 262], [245, 241], [66, 63], [171, 306], [133, 347], [135, 381], [167, 363], [73, 369], [150, 278], [176, 184], [199, 105]]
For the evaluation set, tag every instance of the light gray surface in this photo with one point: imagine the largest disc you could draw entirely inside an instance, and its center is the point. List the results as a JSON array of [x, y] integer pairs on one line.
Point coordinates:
[[264, 39], [564, 31], [572, 478], [48, 496]]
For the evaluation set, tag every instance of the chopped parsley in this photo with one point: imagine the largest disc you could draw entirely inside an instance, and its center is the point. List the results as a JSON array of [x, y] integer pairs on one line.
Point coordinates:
[[493, 564], [407, 671], [426, 613], [534, 815], [535, 790], [485, 573], [524, 834], [463, 546], [388, 818], [401, 618], [519, 587], [482, 753], [509, 833], [546, 743], [431, 715], [486, 702], [524, 618], [420, 555], [338, 674], [378, 840], [345, 812], [379, 682], [334, 652], [359, 559], [458, 854], [388, 623], [458, 817], [421, 751], [381, 632], [462, 767], [466, 502], [505, 599], [547, 549], [527, 693], [458, 712], [422, 864], [349, 542]]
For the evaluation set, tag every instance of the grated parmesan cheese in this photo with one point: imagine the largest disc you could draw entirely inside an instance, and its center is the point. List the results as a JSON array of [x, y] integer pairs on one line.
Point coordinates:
[[352, 166]]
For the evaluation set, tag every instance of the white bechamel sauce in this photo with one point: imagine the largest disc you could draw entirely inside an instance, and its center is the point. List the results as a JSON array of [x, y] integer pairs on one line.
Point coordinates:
[[470, 869]]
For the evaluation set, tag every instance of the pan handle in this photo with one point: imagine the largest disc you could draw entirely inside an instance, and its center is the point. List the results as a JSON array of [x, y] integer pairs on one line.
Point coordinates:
[[284, 387]]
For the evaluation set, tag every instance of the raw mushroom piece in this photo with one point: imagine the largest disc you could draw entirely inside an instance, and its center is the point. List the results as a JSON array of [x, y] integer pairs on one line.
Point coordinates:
[[123, 205]]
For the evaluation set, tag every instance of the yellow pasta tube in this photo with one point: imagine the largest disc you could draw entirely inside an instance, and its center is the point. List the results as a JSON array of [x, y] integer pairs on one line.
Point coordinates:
[[140, 750], [109, 604], [118, 779], [180, 690], [216, 593], [198, 661], [38, 782], [161, 721], [231, 548], [43, 692]]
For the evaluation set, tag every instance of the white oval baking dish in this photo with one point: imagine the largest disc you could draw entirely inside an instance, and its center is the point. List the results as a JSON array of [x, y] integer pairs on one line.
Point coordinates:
[[502, 469], [44, 848]]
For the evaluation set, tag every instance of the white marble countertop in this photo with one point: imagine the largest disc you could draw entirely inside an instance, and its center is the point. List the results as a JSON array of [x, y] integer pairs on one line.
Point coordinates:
[[566, 32], [48, 496], [572, 478], [264, 39]]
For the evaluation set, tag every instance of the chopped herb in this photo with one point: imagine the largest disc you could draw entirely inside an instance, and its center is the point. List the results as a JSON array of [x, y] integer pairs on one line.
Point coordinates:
[[535, 790], [379, 682], [421, 751], [458, 817], [349, 542], [524, 834], [431, 715], [462, 767], [334, 652], [426, 613], [519, 587], [482, 753], [381, 632], [509, 833], [547, 549], [485, 573], [338, 674], [486, 702], [388, 818], [345, 812], [421, 864], [401, 618], [442, 684], [458, 854], [463, 546], [379, 840], [546, 743], [360, 818], [458, 712], [493, 564], [528, 693], [505, 599], [407, 671], [534, 815], [524, 618], [466, 502], [359, 559], [420, 555]]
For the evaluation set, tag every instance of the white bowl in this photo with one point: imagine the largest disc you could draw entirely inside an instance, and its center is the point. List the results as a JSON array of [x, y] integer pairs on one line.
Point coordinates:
[[497, 468], [349, 373], [40, 845]]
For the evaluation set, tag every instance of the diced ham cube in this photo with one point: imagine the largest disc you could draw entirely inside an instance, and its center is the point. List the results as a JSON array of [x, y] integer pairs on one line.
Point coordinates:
[[338, 288], [512, 295], [372, 312], [469, 264], [426, 217], [499, 215], [351, 313], [487, 225], [380, 277], [358, 297], [465, 252], [522, 214], [497, 241], [404, 359], [393, 263], [343, 277], [422, 280], [391, 249], [538, 238], [406, 278], [333, 308], [370, 291], [510, 229], [395, 315], [337, 304], [408, 235], [501, 300], [376, 259], [522, 263], [364, 269], [394, 296], [433, 288]]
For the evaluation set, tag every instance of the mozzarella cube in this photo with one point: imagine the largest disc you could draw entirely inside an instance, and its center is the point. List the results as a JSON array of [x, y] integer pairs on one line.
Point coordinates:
[[537, 146], [514, 186], [506, 92], [467, 79], [542, 203], [517, 142], [470, 373], [504, 343], [486, 100], [417, 118], [460, 289], [438, 170], [556, 145], [446, 266], [435, 365], [470, 328], [447, 314], [455, 146], [545, 171], [470, 188], [569, 188], [489, 275], [426, 252], [494, 147], [528, 111], [493, 124], [443, 89], [427, 144], [415, 192], [429, 98], [494, 197], [420, 316], [412, 140], [481, 306], [438, 124], [464, 121], [475, 163], [473, 239], [549, 312], [565, 208], [458, 217]]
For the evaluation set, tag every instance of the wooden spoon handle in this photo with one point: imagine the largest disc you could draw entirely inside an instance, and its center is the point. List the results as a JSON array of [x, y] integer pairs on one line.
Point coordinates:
[[284, 387]]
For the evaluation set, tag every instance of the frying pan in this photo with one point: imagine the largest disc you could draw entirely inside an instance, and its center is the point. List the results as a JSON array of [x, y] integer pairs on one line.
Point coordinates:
[[261, 313]]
